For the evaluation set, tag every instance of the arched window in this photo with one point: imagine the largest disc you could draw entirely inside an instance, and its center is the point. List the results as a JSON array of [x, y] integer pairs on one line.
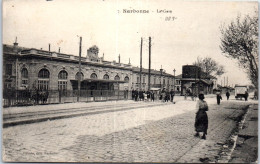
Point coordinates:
[[117, 77], [44, 73], [93, 76], [62, 80], [24, 74], [43, 79], [77, 76], [63, 75], [126, 79], [106, 77]]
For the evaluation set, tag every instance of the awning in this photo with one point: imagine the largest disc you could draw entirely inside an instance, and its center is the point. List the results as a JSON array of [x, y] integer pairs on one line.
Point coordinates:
[[101, 80], [207, 81], [155, 89]]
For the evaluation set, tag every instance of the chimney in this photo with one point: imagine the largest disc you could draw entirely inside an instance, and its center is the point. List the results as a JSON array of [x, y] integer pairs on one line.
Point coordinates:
[[119, 58], [15, 45]]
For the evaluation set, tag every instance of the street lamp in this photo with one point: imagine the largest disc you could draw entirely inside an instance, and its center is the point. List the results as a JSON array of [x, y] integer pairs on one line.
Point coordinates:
[[174, 80]]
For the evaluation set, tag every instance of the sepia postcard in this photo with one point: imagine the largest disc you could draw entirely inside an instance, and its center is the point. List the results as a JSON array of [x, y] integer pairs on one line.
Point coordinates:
[[130, 81]]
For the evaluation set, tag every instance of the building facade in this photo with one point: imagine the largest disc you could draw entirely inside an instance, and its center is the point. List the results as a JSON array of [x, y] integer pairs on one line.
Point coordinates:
[[195, 80], [29, 68]]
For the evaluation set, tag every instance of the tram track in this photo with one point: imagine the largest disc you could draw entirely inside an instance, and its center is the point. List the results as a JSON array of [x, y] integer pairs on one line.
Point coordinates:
[[40, 116], [28, 114]]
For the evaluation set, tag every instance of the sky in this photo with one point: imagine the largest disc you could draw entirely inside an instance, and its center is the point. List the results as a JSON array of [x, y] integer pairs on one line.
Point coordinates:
[[192, 31]]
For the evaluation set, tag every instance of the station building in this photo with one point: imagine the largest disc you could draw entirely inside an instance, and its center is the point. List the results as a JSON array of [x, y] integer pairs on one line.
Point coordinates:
[[30, 68]]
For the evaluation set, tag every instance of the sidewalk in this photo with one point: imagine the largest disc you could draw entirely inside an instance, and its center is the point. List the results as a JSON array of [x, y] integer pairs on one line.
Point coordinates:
[[246, 148]]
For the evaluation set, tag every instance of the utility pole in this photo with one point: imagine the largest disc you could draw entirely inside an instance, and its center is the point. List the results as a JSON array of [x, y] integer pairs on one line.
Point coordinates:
[[224, 81], [59, 49], [141, 64], [174, 80], [119, 58], [49, 48], [161, 77], [79, 77], [196, 88], [149, 73]]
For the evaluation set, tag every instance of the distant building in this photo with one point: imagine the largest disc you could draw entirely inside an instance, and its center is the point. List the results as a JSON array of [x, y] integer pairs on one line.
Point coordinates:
[[178, 83], [197, 80]]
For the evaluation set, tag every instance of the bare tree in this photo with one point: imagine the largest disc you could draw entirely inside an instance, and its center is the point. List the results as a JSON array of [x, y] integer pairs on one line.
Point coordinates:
[[239, 41], [209, 66]]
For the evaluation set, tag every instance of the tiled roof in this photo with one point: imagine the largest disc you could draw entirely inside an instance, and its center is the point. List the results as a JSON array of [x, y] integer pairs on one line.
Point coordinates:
[[144, 70]]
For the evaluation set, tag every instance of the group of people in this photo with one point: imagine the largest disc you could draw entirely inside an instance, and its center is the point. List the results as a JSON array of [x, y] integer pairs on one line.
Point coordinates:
[[142, 95], [219, 97], [189, 92], [164, 95]]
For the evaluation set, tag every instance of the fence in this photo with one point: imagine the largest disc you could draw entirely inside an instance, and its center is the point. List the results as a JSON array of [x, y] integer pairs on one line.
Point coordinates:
[[32, 97]]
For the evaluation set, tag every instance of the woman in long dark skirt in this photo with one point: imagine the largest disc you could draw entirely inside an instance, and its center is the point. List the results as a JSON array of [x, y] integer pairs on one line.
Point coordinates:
[[201, 121]]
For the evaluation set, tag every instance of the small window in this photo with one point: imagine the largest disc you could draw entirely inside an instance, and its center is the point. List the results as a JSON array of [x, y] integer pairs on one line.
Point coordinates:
[[106, 77], [126, 79], [117, 77], [93, 76], [8, 69], [24, 82], [24, 73]]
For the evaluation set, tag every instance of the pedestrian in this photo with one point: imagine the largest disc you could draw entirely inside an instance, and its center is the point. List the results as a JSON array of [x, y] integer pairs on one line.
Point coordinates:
[[133, 94], [201, 119], [227, 94], [255, 95], [136, 95], [152, 96], [218, 98], [140, 95], [145, 96], [148, 95], [246, 95], [163, 95], [167, 95], [172, 95]]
